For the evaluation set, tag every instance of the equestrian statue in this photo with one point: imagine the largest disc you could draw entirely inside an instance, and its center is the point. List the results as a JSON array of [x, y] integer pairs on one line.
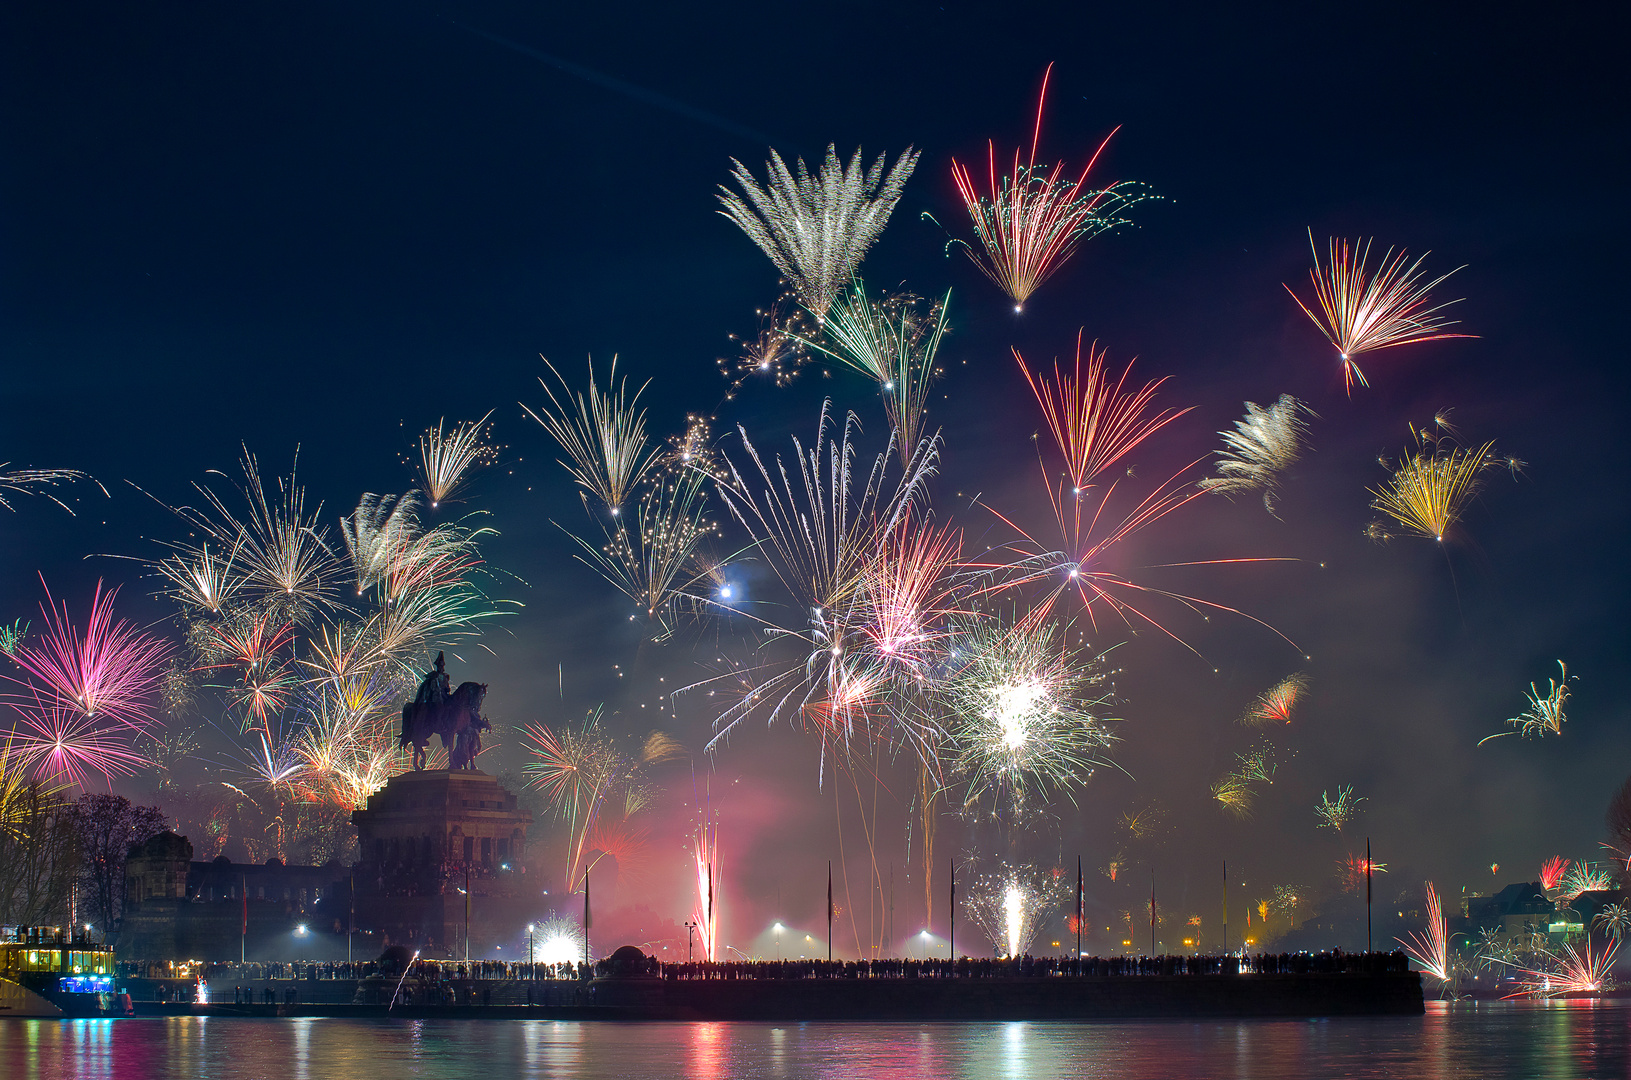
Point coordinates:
[[454, 715]]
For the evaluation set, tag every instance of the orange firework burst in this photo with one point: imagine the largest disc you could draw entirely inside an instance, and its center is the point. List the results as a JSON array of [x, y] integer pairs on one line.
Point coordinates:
[[1095, 423], [1360, 313]]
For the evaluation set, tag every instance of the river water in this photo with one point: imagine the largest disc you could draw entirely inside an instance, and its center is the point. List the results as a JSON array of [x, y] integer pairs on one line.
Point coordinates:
[[1529, 1040]]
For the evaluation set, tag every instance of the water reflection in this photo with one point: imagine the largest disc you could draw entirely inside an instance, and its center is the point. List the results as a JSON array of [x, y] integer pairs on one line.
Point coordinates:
[[1553, 1039]]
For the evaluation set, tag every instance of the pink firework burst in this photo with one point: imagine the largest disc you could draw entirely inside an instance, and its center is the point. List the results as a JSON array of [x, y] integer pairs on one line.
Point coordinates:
[[107, 672], [1552, 871], [61, 744]]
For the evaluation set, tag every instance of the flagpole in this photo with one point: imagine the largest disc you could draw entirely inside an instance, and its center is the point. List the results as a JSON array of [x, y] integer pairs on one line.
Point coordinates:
[[1152, 912], [1226, 907], [1368, 946], [1078, 909], [586, 914], [243, 929], [951, 913], [829, 911]]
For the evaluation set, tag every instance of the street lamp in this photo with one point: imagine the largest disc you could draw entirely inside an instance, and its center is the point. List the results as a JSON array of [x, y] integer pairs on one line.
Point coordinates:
[[530, 929], [690, 927], [778, 941]]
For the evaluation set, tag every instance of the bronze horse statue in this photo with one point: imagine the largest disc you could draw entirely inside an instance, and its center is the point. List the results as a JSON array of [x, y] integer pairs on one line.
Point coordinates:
[[457, 720]]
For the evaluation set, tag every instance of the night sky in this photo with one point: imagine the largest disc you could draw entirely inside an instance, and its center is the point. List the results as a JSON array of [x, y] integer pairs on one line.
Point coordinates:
[[325, 226]]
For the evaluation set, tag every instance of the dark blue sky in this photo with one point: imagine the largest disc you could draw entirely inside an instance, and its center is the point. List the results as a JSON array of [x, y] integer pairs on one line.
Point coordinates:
[[327, 225]]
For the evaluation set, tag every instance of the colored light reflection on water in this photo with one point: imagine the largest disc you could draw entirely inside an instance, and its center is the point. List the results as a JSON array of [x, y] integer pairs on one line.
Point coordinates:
[[1548, 1039]]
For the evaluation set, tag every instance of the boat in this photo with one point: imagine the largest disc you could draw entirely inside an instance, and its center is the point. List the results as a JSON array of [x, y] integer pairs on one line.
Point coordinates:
[[48, 972]]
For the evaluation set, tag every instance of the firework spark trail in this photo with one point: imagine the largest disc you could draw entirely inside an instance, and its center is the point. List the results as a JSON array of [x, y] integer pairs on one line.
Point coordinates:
[[1034, 217], [1363, 313], [1276, 704], [1261, 447], [1021, 713], [1545, 714], [1428, 492], [1335, 813], [820, 528], [38, 482], [446, 458], [107, 672], [892, 341], [1430, 948], [817, 228], [1094, 422]]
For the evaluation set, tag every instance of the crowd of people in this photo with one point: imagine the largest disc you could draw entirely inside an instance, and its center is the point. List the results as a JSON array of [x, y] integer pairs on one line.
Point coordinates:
[[1024, 967]]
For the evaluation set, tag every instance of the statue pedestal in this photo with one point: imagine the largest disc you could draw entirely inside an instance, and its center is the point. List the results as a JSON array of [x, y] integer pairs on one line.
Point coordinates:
[[426, 834]]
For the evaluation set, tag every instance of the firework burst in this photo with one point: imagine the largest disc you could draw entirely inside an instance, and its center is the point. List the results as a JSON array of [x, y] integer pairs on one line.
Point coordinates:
[[105, 673], [447, 457], [1545, 714], [1095, 421], [1430, 948], [62, 745], [603, 436], [1337, 812], [1022, 713], [1276, 704], [1429, 491], [1552, 871], [1584, 878], [1261, 447], [1011, 905], [820, 526], [817, 228], [1361, 313], [776, 352], [655, 562], [1352, 872], [275, 554], [892, 341], [1568, 971], [1033, 218]]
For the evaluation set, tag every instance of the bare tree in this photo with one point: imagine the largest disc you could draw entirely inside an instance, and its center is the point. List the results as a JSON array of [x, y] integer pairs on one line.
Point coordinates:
[[107, 825], [1618, 820], [39, 859]]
